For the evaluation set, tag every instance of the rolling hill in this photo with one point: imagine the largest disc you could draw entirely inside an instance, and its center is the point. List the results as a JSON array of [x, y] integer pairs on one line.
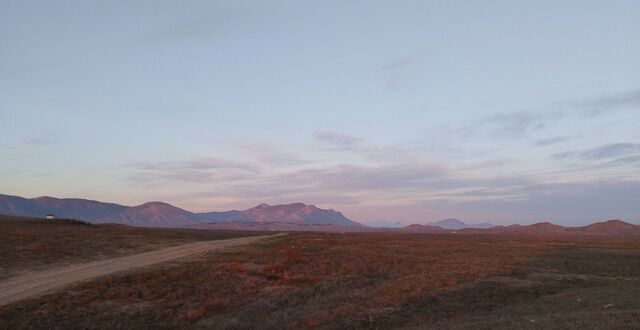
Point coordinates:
[[606, 228]]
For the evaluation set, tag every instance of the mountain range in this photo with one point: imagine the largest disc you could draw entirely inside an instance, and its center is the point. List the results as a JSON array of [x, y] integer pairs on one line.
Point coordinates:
[[289, 217], [610, 227], [158, 214], [456, 224]]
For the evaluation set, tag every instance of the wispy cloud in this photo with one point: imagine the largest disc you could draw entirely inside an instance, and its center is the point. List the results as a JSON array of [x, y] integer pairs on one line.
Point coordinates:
[[551, 141], [201, 27], [41, 140], [629, 100], [396, 73], [195, 164], [197, 170], [432, 189], [513, 124], [611, 151], [604, 152], [262, 158], [403, 187], [628, 160], [227, 18], [267, 153], [376, 182], [338, 140], [368, 178], [402, 62], [522, 124]]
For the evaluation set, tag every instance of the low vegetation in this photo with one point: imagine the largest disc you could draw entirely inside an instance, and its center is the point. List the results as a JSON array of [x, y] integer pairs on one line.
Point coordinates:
[[35, 243], [330, 281]]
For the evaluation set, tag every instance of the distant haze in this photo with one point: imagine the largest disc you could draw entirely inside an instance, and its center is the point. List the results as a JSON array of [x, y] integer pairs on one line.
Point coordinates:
[[389, 111]]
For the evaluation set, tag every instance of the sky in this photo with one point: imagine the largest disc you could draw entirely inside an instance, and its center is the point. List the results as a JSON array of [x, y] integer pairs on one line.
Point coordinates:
[[389, 111]]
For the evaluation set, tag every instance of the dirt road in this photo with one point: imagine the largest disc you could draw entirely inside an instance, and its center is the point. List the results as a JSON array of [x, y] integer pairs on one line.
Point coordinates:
[[37, 283]]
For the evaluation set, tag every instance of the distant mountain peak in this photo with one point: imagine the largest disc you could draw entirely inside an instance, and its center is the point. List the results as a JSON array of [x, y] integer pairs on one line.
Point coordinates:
[[544, 224], [451, 223], [284, 213], [161, 207], [611, 226], [455, 224], [294, 205], [147, 204], [291, 206], [616, 222], [42, 198]]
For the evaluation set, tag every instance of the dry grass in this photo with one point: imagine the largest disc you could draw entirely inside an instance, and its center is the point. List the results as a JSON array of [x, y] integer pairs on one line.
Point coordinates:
[[28, 244], [363, 281]]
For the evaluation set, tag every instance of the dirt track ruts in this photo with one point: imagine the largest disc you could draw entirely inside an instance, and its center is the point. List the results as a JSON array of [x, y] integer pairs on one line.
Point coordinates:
[[37, 283]]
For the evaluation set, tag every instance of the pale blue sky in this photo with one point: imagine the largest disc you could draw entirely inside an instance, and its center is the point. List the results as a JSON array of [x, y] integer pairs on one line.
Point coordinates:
[[399, 111]]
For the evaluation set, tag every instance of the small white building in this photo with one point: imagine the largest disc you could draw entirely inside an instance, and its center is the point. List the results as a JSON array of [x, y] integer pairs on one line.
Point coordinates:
[[50, 216]]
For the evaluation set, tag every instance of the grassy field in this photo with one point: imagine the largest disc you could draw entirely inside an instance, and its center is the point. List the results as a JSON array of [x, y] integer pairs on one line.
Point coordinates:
[[330, 281], [31, 244]]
